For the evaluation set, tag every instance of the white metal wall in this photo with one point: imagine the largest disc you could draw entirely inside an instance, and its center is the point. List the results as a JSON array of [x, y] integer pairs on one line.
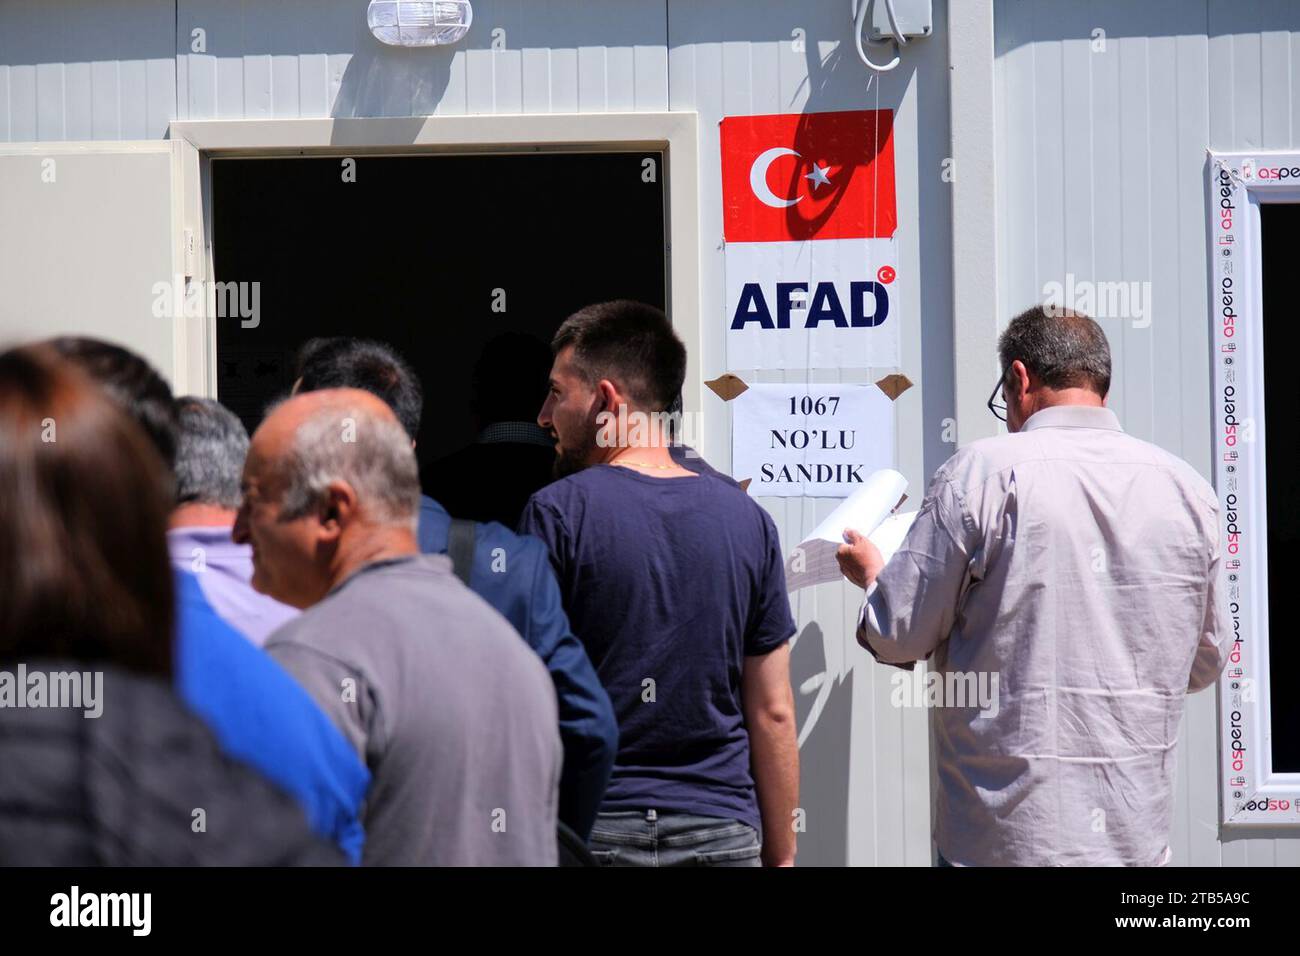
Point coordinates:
[[110, 69], [1101, 173], [87, 69], [866, 763]]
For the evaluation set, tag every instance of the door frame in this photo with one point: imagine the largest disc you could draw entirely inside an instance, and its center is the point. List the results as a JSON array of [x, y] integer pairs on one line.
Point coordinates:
[[675, 134]]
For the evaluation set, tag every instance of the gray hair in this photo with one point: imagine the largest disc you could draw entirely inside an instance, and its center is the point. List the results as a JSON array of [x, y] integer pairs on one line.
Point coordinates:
[[211, 444], [368, 450], [1065, 349]]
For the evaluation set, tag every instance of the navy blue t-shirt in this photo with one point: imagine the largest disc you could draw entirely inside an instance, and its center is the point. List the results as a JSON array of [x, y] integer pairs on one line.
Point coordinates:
[[675, 581]]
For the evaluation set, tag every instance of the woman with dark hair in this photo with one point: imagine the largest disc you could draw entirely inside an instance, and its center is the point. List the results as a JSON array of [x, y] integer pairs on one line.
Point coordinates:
[[82, 573], [103, 765]]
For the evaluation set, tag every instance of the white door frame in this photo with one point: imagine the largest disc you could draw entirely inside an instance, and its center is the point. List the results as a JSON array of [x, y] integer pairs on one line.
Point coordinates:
[[676, 134]]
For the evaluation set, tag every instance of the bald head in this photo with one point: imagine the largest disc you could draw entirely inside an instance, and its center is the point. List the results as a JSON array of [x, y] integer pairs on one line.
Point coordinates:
[[341, 434], [329, 483]]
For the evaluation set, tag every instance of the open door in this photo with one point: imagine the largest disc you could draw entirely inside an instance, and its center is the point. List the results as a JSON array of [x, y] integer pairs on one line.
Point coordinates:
[[91, 244], [465, 263]]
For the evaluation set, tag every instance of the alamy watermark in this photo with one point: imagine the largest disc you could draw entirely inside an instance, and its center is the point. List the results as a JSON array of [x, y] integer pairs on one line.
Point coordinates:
[[223, 300], [950, 689], [133, 911], [635, 429], [80, 690], [1100, 300]]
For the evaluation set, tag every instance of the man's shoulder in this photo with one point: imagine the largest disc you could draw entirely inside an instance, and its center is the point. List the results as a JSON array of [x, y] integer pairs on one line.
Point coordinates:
[[292, 631], [987, 458], [435, 522], [573, 493], [692, 460], [1180, 470], [202, 634], [227, 680], [492, 535], [213, 658], [579, 484], [565, 499], [400, 599]]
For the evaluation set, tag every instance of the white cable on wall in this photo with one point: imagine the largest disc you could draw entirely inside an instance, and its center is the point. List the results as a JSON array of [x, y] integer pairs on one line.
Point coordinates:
[[858, 11]]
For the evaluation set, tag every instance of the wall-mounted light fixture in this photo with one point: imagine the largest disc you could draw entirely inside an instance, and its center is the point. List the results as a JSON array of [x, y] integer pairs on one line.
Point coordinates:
[[419, 22]]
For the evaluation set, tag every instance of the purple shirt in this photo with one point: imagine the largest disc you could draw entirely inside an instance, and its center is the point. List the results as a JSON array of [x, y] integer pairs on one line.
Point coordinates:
[[224, 571]]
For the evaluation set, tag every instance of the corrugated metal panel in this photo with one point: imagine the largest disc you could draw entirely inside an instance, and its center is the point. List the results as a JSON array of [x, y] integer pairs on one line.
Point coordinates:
[[307, 58], [1101, 167], [865, 773], [91, 69]]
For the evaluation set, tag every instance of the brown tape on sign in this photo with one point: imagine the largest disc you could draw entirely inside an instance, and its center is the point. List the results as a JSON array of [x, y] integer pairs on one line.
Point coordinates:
[[894, 385], [727, 386]]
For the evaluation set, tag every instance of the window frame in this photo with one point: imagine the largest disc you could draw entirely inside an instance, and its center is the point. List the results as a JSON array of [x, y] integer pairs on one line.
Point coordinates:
[[1252, 794]]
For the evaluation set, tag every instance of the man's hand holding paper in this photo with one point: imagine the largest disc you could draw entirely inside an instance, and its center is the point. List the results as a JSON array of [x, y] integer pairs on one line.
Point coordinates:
[[868, 511], [859, 558]]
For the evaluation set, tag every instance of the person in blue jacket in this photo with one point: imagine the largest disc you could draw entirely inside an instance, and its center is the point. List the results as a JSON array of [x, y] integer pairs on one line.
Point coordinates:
[[262, 716], [259, 714], [511, 572]]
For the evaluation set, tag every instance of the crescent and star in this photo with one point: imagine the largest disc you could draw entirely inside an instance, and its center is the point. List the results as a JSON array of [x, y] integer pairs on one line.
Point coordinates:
[[758, 177]]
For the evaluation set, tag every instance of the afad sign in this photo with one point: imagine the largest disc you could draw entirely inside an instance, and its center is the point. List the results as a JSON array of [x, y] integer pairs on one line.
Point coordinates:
[[809, 216]]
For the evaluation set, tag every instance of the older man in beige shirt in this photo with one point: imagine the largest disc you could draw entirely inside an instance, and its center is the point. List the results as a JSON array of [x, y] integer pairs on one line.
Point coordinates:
[[1073, 570]]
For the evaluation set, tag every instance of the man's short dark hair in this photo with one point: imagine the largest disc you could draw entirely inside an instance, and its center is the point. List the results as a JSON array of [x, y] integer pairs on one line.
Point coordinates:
[[307, 351], [371, 366], [1062, 348], [630, 343], [132, 383], [210, 450]]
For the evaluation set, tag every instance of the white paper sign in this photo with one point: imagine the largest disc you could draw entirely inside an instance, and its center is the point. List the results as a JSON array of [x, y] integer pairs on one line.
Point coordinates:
[[828, 303], [820, 441], [867, 510]]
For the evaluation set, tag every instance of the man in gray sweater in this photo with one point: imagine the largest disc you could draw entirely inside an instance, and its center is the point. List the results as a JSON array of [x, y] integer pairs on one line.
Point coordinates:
[[451, 711]]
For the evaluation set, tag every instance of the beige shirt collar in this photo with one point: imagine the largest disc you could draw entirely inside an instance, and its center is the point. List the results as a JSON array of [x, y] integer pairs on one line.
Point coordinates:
[[1073, 416]]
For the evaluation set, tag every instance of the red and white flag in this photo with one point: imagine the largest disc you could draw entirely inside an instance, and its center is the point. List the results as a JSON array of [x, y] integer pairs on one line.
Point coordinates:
[[797, 176], [809, 215]]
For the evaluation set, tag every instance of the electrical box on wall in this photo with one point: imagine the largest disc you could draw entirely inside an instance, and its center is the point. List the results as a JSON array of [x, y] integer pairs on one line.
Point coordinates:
[[912, 18]]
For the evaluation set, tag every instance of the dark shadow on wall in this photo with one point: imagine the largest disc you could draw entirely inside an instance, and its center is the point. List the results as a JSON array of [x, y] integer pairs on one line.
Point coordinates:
[[839, 81], [391, 81], [380, 80], [824, 756]]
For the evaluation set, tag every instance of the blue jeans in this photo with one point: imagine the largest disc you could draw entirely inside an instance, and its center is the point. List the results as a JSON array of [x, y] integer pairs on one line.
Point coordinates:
[[651, 838]]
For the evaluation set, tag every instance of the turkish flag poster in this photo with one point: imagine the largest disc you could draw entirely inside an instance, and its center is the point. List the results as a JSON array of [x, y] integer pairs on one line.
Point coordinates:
[[809, 216]]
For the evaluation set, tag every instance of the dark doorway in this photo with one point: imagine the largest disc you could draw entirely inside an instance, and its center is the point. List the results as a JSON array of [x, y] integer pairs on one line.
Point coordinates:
[[436, 255], [1280, 227]]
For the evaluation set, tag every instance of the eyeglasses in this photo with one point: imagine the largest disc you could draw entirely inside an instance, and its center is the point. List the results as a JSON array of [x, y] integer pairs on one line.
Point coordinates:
[[998, 408]]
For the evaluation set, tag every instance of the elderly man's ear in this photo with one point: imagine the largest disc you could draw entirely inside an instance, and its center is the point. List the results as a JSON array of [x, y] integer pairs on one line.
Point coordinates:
[[337, 510]]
